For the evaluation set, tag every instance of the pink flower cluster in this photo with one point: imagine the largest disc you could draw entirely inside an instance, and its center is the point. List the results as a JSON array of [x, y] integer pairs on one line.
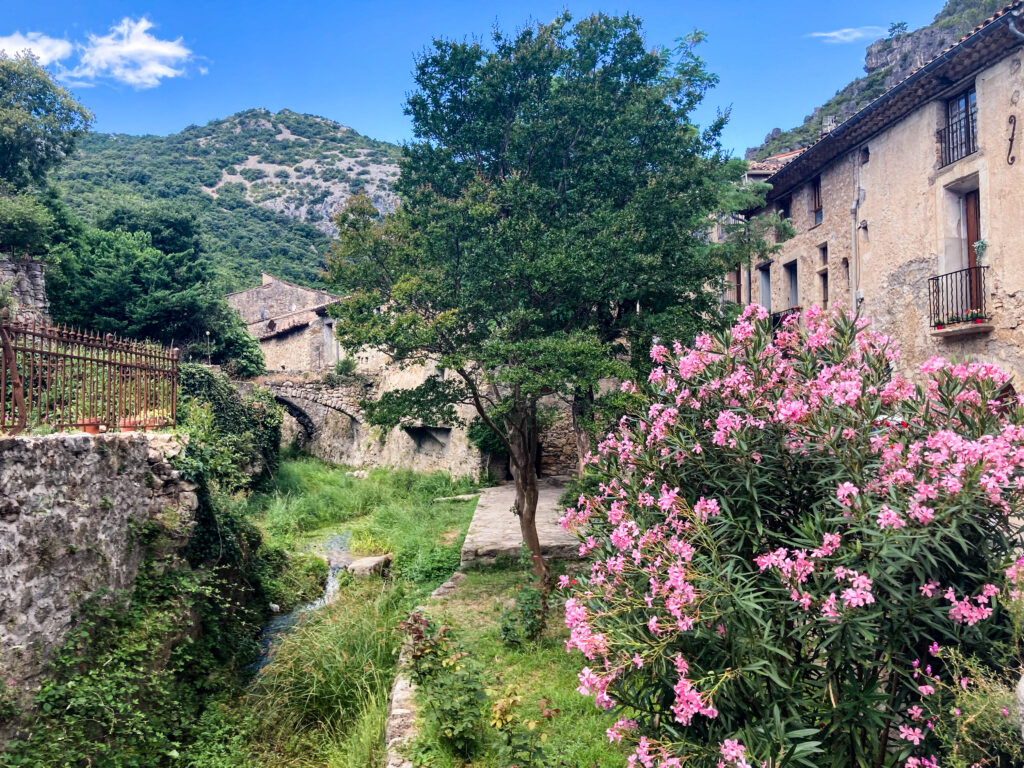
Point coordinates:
[[942, 452]]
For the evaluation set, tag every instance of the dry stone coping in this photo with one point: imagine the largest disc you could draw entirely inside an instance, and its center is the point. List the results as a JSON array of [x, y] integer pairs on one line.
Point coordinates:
[[365, 567], [400, 729], [460, 497]]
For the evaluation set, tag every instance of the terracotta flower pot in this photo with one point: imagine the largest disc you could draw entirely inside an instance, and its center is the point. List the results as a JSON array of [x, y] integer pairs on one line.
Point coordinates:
[[128, 424], [90, 426]]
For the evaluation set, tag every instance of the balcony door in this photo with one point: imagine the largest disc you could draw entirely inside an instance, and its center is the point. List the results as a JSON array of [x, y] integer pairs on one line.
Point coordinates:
[[972, 219]]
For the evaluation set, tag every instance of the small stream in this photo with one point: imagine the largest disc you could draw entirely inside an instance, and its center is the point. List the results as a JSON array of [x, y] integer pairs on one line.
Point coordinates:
[[336, 554]]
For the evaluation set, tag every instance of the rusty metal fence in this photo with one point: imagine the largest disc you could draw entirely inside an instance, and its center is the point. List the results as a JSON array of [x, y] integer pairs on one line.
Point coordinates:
[[67, 379]]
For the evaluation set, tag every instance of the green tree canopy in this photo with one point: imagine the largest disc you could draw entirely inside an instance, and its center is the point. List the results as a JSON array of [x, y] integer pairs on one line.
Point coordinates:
[[116, 281], [39, 121], [555, 215]]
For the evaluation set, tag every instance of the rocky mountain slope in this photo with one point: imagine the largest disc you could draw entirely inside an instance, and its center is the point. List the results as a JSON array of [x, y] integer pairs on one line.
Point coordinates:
[[886, 63], [264, 186]]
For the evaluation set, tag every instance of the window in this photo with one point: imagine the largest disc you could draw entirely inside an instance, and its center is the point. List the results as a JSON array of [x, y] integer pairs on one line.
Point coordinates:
[[816, 206], [823, 272], [784, 206], [791, 282], [765, 285], [735, 290], [959, 137]]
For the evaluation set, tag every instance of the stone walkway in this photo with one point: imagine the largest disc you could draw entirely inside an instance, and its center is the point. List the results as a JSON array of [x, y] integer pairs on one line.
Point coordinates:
[[495, 532]]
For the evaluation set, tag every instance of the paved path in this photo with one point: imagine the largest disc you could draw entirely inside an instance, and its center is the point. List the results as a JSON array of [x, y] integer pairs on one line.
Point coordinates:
[[495, 530]]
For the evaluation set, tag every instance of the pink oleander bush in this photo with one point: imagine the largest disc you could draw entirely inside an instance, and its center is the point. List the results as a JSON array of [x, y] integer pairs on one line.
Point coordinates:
[[789, 543]]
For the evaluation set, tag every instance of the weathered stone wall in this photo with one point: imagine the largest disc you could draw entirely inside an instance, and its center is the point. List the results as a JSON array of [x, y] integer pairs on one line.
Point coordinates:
[[329, 423], [309, 347], [71, 509], [28, 287]]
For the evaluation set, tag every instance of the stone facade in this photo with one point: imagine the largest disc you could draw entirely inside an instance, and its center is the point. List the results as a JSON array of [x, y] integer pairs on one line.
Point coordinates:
[[71, 507], [291, 323], [28, 287], [894, 210]]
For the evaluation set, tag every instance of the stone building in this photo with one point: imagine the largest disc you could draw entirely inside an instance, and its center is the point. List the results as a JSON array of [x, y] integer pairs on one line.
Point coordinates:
[[912, 209], [291, 323]]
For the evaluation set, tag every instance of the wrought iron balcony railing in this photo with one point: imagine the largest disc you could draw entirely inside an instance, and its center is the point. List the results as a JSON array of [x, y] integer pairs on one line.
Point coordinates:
[[959, 139], [958, 297]]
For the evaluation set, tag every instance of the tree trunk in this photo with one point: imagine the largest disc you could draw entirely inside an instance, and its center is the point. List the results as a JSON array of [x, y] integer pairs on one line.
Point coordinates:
[[524, 439], [582, 410]]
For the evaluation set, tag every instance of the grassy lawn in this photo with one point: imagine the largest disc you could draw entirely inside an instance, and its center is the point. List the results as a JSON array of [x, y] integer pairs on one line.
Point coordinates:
[[539, 671], [388, 511]]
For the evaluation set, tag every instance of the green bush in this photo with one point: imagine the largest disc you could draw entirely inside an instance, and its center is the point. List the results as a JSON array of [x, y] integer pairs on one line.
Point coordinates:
[[524, 620], [449, 684], [345, 367], [239, 437]]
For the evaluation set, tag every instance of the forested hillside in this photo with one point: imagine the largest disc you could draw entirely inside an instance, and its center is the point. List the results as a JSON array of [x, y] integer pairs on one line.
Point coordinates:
[[887, 62], [262, 186]]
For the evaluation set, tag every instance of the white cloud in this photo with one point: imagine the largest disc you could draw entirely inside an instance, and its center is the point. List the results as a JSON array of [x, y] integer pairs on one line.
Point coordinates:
[[47, 49], [129, 54], [850, 34]]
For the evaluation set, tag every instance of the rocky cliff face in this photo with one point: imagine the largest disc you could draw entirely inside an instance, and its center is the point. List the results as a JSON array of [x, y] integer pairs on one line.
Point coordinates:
[[886, 63]]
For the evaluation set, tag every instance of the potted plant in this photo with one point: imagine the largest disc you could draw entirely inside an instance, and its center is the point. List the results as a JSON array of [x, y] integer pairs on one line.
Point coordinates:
[[91, 425], [128, 423]]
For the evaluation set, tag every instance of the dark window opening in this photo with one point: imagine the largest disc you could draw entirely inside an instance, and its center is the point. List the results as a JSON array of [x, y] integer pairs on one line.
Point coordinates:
[[817, 209]]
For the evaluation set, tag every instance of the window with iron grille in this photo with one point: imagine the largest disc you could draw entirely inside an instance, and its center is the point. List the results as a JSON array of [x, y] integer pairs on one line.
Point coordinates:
[[959, 137]]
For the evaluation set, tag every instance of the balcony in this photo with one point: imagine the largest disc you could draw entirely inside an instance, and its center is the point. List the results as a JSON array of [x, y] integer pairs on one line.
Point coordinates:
[[957, 302], [959, 139]]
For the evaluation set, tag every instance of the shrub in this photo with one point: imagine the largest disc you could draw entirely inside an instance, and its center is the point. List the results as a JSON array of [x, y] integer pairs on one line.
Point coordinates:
[[524, 620], [791, 543], [449, 683], [345, 367]]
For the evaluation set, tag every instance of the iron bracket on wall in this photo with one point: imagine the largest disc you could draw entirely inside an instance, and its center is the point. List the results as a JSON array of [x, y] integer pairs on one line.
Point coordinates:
[[1010, 157]]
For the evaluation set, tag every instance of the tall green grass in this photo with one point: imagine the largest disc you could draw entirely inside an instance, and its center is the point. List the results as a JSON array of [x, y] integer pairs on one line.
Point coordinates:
[[322, 699], [388, 511]]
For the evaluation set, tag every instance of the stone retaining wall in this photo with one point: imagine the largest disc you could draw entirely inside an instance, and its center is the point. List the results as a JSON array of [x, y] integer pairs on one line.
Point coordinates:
[[71, 509]]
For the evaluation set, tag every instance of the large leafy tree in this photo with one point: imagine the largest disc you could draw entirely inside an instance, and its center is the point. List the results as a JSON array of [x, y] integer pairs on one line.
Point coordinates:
[[118, 281], [39, 121], [555, 211]]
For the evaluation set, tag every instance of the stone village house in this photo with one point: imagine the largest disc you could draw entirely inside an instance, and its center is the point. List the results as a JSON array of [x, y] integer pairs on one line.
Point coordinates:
[[291, 323], [912, 210]]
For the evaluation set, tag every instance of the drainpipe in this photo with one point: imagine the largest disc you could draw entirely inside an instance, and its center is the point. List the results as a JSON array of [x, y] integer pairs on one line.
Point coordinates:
[[854, 234]]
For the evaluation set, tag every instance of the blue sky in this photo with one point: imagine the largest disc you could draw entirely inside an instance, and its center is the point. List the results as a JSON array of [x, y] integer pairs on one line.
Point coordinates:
[[152, 66]]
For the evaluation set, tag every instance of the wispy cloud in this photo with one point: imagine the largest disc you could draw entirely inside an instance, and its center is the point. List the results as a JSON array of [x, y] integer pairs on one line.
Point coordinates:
[[849, 34], [129, 54], [47, 49]]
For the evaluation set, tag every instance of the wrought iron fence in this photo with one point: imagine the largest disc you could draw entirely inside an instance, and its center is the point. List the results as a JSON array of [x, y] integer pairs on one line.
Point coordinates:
[[959, 139], [65, 379], [958, 297]]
